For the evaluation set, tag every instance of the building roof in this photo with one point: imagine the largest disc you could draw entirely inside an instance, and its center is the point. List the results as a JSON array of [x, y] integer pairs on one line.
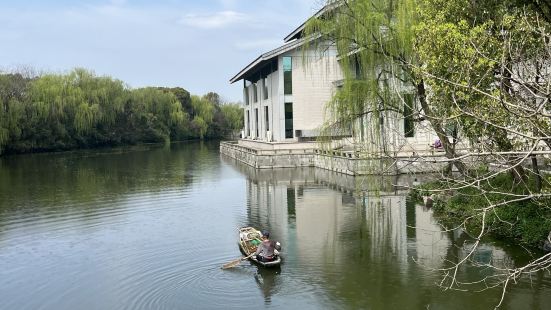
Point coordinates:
[[265, 58], [293, 40], [297, 33]]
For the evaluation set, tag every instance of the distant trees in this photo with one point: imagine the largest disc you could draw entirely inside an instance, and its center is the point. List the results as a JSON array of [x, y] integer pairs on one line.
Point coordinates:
[[79, 109], [233, 117]]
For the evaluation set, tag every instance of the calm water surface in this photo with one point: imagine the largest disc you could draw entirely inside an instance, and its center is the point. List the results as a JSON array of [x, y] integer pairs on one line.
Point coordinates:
[[150, 227]]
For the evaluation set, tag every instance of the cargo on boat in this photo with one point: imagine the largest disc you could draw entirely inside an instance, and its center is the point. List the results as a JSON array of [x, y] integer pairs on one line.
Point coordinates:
[[249, 239]]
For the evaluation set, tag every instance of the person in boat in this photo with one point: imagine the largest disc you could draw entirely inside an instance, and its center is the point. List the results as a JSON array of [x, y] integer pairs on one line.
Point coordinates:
[[265, 252]]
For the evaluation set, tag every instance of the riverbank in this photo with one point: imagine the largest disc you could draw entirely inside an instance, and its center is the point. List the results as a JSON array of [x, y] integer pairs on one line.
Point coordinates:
[[524, 221], [273, 155], [492, 207], [107, 148]]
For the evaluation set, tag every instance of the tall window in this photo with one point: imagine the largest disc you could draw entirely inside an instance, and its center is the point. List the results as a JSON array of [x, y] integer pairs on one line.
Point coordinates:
[[288, 120], [265, 88], [287, 75], [357, 68], [248, 124], [256, 122], [267, 118], [255, 93], [362, 128], [246, 95], [409, 126]]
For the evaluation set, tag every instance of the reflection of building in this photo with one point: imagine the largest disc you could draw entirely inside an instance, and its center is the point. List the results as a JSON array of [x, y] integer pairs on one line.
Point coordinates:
[[403, 230], [358, 238], [315, 209]]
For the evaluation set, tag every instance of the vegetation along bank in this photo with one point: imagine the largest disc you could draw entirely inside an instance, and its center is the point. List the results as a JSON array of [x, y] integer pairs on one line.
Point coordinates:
[[487, 210], [81, 110]]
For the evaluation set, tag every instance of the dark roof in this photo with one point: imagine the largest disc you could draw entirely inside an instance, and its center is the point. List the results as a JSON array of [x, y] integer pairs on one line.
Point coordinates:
[[293, 40], [264, 59], [297, 33]]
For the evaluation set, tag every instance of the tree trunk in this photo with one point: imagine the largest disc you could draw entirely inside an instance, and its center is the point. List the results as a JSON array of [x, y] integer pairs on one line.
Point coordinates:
[[518, 174], [536, 172], [437, 125]]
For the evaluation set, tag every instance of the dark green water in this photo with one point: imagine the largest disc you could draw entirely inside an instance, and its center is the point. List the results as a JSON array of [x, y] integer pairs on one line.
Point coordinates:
[[150, 227]]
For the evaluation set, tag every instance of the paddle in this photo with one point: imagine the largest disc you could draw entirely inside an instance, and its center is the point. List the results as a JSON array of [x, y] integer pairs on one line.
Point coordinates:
[[236, 262]]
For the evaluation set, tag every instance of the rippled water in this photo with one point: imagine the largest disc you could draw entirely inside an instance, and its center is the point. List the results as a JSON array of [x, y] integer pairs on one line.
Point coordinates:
[[150, 227]]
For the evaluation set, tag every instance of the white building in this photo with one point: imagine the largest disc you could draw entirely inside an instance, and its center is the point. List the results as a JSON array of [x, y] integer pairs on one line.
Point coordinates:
[[285, 90]]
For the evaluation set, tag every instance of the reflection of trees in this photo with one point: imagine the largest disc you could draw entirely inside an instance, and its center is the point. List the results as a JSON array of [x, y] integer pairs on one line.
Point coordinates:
[[377, 260], [85, 176]]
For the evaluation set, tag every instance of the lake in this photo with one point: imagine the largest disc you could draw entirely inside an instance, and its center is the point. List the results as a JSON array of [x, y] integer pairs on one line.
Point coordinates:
[[149, 227]]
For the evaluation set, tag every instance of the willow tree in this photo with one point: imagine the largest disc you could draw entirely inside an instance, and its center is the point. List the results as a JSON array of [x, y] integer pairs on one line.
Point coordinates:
[[488, 64], [233, 115], [13, 87], [481, 71], [375, 41], [203, 115]]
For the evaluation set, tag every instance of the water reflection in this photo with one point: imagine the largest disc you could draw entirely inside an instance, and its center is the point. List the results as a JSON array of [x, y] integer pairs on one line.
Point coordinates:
[[110, 229], [268, 282], [150, 227], [365, 244]]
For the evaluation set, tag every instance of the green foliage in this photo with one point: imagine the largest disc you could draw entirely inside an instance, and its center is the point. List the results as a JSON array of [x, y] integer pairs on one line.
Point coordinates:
[[213, 97], [374, 40], [457, 56], [203, 108], [467, 50], [475, 67], [80, 109], [233, 114], [527, 222]]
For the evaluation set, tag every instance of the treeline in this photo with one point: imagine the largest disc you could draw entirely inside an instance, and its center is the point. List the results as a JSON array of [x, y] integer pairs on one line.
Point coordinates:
[[82, 110]]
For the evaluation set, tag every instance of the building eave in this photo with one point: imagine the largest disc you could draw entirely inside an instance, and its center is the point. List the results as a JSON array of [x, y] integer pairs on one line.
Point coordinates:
[[297, 33], [266, 57]]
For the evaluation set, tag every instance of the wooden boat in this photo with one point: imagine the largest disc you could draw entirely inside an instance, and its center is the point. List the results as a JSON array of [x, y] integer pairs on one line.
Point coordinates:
[[249, 239]]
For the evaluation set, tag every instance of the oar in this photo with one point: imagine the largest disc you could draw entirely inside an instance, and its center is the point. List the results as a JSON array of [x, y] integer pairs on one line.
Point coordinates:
[[236, 262]]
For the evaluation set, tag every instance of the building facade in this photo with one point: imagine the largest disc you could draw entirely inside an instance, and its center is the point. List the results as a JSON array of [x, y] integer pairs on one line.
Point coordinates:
[[285, 90], [285, 96]]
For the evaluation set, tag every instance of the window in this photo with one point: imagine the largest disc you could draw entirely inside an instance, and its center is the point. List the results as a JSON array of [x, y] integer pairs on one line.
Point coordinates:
[[357, 68], [267, 118], [362, 128], [288, 120], [265, 88], [248, 125], [287, 75], [409, 126], [246, 95], [255, 93], [256, 122]]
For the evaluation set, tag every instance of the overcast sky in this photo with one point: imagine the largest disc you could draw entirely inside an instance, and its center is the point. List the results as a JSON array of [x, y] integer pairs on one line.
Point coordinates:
[[197, 45]]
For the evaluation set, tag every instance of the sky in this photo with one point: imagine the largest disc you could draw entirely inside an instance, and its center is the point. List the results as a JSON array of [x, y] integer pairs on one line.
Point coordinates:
[[197, 45]]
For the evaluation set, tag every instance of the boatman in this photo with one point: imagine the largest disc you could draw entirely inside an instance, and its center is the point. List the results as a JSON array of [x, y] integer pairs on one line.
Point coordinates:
[[265, 251]]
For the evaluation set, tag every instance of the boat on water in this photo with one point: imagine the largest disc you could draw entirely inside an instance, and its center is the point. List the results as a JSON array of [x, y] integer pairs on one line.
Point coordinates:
[[249, 239]]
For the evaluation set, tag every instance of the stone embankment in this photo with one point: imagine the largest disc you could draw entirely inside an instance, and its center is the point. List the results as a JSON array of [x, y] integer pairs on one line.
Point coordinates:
[[291, 155]]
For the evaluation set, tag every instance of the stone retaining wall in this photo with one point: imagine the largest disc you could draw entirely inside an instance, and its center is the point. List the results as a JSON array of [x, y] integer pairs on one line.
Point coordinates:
[[339, 161]]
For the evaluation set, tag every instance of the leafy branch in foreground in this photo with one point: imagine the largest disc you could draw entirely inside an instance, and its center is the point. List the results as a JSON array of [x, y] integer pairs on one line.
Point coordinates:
[[481, 75]]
